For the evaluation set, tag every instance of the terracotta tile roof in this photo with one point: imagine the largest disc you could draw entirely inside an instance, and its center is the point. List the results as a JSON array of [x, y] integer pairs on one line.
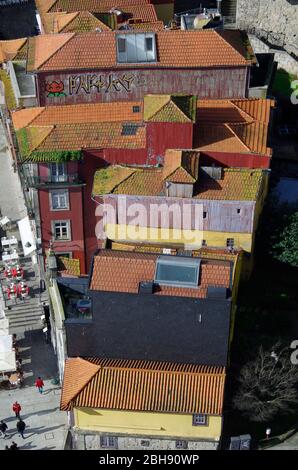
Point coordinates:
[[145, 386], [182, 49], [76, 22], [24, 117], [84, 22], [108, 179], [236, 184], [69, 266], [181, 166], [169, 108], [44, 46], [150, 27], [79, 113], [9, 49], [233, 125], [119, 271], [79, 373], [92, 5], [75, 137], [234, 111], [205, 252]]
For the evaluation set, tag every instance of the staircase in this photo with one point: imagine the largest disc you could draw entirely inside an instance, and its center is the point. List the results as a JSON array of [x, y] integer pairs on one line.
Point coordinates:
[[24, 316]]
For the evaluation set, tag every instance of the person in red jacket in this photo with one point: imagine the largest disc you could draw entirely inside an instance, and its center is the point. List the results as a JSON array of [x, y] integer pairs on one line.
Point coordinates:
[[39, 384], [16, 407]]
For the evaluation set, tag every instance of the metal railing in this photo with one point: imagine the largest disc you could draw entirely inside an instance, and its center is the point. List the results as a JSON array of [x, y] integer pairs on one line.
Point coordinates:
[[35, 181]]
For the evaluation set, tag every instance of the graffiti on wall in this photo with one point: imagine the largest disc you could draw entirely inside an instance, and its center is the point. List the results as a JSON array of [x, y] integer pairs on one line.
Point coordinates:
[[91, 82]]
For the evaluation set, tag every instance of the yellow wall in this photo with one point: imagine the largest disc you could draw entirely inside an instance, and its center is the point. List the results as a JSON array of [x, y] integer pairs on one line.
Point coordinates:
[[165, 12], [191, 238], [145, 423]]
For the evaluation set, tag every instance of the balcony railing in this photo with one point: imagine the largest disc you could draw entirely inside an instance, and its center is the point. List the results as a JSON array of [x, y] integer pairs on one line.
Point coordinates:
[[54, 180]]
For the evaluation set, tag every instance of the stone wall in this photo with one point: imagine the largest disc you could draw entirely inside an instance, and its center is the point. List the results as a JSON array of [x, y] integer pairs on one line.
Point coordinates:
[[91, 441], [274, 21], [284, 60]]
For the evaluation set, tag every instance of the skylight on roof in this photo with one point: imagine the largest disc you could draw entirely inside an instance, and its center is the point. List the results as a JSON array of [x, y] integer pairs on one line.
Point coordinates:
[[177, 271]]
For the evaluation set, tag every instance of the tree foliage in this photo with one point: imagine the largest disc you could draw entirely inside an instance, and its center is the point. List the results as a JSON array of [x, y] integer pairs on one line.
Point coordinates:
[[268, 385], [285, 243]]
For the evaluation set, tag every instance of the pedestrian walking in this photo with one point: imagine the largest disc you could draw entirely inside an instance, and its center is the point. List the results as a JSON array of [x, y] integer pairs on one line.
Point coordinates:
[[39, 384], [3, 429], [16, 407], [21, 426]]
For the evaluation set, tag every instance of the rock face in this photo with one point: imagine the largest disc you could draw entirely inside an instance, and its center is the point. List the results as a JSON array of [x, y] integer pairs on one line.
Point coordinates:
[[274, 21]]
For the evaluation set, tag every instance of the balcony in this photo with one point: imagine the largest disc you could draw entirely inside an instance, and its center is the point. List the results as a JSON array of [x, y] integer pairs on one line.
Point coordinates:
[[55, 181]]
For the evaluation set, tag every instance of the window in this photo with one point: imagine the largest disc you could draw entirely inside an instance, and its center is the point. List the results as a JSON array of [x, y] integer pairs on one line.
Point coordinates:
[[136, 47], [238, 211], [121, 45], [230, 242], [61, 230], [199, 420], [149, 44], [59, 200], [136, 109], [204, 215], [58, 172], [108, 442], [181, 445], [177, 271], [204, 243], [129, 129]]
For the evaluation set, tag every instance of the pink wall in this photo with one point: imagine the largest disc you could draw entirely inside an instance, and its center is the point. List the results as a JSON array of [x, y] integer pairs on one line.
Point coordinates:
[[132, 84]]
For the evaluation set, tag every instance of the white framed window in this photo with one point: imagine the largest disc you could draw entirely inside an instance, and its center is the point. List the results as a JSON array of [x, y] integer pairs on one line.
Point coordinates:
[[59, 199], [61, 230], [58, 172], [108, 442], [199, 419], [136, 47]]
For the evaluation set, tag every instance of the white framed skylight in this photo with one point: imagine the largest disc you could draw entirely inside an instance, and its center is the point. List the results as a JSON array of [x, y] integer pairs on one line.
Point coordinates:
[[177, 271]]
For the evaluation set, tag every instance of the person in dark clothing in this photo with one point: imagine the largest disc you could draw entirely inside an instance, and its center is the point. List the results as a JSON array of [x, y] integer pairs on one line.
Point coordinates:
[[14, 446], [21, 427], [3, 428]]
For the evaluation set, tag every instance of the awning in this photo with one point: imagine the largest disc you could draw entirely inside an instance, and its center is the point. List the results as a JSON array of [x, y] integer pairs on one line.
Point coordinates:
[[4, 326], [7, 355], [27, 237], [8, 361]]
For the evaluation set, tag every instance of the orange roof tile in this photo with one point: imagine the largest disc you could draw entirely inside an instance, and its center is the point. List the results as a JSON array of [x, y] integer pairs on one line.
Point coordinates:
[[79, 113], [91, 5], [75, 137], [150, 27], [236, 184], [42, 47], [24, 117], [79, 373], [10, 48], [119, 271], [233, 125], [183, 49], [145, 386]]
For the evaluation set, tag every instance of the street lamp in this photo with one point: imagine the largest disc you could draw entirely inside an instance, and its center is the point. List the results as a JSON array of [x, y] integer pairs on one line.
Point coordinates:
[[268, 432]]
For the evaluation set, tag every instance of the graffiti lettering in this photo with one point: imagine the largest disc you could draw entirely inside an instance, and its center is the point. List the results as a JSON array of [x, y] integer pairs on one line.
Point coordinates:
[[109, 83]]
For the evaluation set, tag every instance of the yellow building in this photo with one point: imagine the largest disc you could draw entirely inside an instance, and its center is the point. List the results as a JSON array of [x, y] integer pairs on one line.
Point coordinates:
[[125, 404], [182, 202]]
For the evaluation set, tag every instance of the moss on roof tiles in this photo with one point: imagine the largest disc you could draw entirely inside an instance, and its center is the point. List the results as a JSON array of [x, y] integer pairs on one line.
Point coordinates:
[[107, 179], [170, 108]]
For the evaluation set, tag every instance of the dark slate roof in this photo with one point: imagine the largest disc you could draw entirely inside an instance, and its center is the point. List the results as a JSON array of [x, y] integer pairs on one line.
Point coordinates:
[[156, 328]]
